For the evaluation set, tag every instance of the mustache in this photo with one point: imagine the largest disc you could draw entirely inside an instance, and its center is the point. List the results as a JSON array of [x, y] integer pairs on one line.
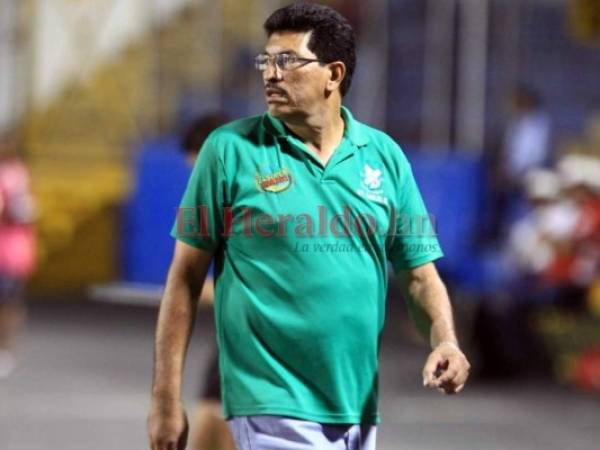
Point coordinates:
[[277, 89]]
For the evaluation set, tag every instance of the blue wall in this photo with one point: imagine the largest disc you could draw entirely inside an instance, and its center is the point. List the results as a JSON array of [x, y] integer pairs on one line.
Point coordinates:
[[454, 189], [161, 176]]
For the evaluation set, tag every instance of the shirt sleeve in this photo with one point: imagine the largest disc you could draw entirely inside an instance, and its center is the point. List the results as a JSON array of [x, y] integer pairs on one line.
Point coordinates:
[[199, 219], [413, 239]]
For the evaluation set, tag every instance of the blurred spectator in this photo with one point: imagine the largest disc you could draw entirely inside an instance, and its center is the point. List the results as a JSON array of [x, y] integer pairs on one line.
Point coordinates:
[[17, 248], [525, 146], [527, 137], [549, 220], [551, 257], [197, 131], [577, 255], [511, 281], [209, 428], [556, 244]]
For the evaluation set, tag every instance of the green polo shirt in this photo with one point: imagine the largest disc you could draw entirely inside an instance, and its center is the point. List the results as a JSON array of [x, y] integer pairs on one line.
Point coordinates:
[[301, 263]]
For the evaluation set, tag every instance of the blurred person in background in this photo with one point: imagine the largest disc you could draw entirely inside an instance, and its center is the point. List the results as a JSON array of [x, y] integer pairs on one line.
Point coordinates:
[[17, 247], [209, 428], [513, 285], [527, 136], [550, 258], [550, 219], [576, 261], [299, 331], [525, 146], [592, 135]]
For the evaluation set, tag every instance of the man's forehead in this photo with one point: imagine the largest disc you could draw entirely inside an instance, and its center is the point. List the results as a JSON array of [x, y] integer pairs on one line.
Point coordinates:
[[288, 41]]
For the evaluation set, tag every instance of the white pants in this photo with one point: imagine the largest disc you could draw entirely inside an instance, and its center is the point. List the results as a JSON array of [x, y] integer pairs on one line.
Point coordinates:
[[284, 433]]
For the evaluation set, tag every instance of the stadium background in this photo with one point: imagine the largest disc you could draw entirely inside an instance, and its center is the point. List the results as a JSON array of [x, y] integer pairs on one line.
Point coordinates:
[[98, 92]]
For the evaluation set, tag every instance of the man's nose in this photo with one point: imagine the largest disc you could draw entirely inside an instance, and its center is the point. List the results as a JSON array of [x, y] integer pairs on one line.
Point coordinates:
[[272, 72]]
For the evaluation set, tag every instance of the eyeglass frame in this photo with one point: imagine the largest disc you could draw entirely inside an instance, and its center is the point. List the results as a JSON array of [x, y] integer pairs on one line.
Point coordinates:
[[275, 57]]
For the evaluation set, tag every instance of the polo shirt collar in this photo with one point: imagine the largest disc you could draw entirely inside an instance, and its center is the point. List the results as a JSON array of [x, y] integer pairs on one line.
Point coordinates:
[[352, 131]]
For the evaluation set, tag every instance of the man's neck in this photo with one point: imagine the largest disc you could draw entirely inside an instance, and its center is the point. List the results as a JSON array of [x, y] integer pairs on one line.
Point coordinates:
[[321, 132]]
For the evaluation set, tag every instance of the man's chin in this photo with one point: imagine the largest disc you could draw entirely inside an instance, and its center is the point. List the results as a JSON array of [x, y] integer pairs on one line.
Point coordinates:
[[278, 110]]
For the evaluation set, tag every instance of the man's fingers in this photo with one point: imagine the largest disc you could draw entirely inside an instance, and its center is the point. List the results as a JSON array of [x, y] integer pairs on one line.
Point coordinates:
[[461, 377], [429, 371], [447, 388], [462, 372], [447, 373], [457, 372], [447, 377]]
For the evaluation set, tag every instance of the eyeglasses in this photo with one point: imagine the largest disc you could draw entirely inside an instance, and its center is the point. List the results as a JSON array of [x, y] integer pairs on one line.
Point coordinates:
[[283, 61]]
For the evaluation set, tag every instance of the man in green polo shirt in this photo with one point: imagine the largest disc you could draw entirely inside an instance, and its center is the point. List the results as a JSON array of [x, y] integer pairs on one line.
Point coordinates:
[[301, 208]]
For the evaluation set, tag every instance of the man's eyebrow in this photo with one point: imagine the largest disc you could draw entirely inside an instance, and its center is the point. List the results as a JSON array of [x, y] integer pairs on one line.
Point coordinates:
[[283, 52]]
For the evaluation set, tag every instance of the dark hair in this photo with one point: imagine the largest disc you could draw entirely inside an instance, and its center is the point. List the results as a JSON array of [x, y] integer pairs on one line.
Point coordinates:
[[527, 97], [332, 36], [199, 129]]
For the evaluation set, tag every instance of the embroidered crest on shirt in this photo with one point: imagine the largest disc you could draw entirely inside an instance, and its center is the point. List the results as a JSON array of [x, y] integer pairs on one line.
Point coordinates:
[[372, 179], [275, 182]]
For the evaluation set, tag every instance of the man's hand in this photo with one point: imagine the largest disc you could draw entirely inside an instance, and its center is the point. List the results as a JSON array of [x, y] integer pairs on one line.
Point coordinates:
[[167, 426], [446, 369]]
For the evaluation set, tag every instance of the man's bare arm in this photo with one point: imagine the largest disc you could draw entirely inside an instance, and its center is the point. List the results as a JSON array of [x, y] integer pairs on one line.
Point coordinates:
[[447, 367], [167, 424], [426, 291]]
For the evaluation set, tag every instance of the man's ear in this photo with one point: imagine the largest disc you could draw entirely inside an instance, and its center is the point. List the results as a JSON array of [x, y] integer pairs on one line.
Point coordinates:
[[337, 73]]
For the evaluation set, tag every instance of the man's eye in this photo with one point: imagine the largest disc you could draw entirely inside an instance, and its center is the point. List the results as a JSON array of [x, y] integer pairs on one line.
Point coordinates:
[[287, 60]]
